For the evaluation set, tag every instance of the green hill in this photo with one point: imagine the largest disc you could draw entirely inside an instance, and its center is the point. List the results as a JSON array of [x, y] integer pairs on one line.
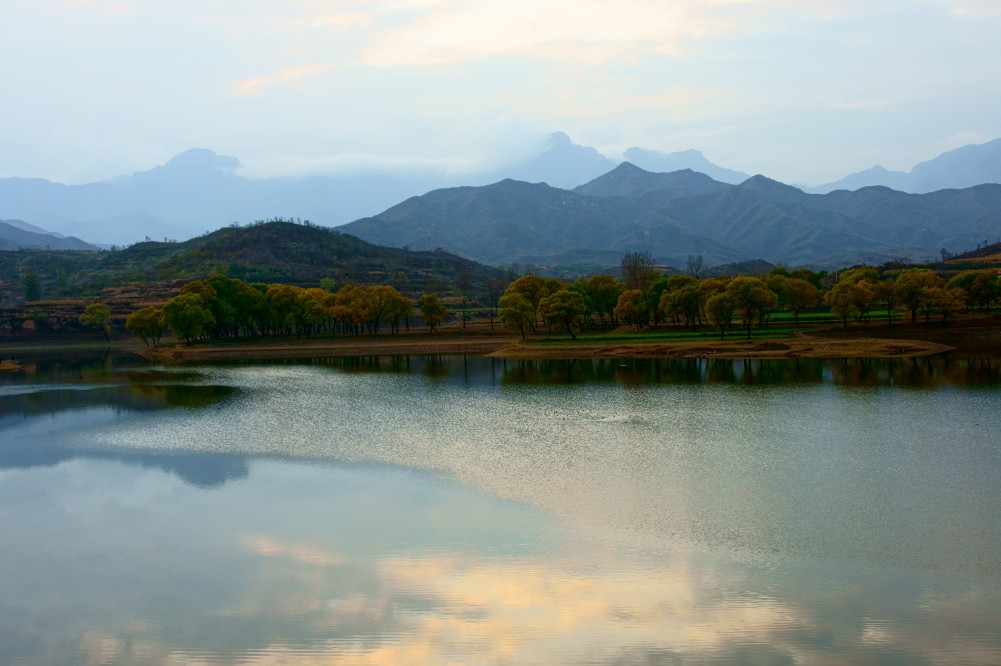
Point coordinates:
[[276, 251]]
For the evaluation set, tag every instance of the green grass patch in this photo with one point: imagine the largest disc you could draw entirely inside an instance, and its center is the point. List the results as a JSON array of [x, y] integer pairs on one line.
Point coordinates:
[[676, 336]]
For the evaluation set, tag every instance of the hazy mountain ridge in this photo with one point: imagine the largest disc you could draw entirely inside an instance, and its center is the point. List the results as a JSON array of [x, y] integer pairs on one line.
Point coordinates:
[[198, 190], [16, 235], [629, 209], [963, 167]]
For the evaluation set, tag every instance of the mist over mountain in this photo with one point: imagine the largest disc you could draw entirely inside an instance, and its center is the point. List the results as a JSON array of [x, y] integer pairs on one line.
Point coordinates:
[[960, 168], [17, 234], [198, 191], [651, 160], [563, 164], [676, 214]]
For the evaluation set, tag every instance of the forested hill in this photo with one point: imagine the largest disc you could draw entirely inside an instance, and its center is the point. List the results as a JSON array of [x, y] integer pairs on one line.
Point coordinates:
[[276, 251], [676, 214]]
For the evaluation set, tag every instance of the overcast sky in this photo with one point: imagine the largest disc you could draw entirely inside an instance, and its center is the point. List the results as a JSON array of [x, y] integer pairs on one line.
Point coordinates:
[[804, 91]]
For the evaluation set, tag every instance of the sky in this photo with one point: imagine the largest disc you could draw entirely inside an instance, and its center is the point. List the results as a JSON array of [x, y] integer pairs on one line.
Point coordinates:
[[801, 91]]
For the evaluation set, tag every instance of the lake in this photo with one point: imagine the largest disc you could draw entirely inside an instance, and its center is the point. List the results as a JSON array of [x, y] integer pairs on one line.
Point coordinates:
[[464, 510]]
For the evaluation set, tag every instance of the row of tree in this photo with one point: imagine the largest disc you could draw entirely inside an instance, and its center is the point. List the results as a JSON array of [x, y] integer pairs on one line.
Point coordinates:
[[722, 302], [222, 307]]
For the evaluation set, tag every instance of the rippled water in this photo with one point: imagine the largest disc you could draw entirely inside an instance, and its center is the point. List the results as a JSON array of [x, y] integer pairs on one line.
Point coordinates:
[[427, 510]]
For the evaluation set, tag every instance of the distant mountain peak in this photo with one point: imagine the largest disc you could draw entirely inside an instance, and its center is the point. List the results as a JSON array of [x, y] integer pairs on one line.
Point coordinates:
[[559, 139], [201, 159], [657, 162], [963, 167], [773, 188]]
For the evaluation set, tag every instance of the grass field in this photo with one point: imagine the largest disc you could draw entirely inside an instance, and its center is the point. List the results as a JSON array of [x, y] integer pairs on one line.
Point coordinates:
[[675, 336]]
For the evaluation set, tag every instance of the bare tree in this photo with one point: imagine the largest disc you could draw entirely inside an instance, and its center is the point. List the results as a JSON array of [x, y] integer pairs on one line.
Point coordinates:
[[637, 269], [694, 266]]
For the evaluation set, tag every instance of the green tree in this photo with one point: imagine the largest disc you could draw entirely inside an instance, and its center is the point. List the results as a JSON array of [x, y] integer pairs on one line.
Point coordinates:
[[188, 317], [684, 300], [751, 297], [432, 310], [32, 286], [603, 292], [911, 285], [98, 316], [516, 312], [719, 312], [147, 324], [846, 298], [799, 295], [885, 292], [564, 308], [532, 287]]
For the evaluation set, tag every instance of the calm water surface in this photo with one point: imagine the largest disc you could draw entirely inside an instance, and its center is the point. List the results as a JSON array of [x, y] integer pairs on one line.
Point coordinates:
[[463, 510]]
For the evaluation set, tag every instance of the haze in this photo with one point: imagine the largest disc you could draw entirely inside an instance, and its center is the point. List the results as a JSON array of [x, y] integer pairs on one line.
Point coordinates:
[[802, 92]]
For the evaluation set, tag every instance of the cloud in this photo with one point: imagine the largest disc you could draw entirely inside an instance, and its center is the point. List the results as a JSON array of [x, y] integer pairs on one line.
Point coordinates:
[[302, 553], [583, 32], [254, 85]]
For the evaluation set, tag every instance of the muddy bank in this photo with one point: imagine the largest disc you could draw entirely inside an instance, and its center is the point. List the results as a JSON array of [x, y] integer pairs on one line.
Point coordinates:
[[398, 345], [510, 347]]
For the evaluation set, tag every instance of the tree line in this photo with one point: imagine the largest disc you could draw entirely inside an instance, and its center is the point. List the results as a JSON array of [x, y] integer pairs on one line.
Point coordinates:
[[222, 307], [645, 297]]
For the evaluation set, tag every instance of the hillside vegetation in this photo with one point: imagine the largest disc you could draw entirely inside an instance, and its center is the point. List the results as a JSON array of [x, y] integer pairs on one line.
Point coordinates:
[[277, 251]]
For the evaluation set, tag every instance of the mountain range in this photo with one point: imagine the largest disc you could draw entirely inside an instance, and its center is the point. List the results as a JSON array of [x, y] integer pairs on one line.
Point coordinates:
[[18, 235], [673, 215], [198, 190], [963, 167]]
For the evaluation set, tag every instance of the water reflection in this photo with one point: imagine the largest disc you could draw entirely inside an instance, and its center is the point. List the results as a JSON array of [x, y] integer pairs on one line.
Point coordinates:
[[450, 509], [926, 371], [307, 564]]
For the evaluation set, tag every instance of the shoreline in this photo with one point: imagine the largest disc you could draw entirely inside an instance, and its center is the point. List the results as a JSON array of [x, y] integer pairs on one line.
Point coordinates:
[[977, 335], [513, 348]]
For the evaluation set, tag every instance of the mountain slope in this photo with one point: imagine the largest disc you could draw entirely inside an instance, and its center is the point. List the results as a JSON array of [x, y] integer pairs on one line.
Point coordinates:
[[694, 160], [277, 251], [673, 215], [13, 236]]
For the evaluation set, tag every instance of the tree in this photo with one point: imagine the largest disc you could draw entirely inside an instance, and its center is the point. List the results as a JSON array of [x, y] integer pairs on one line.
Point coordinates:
[[682, 299], [432, 310], [32, 286], [693, 266], [532, 287], [910, 287], [630, 308], [565, 308], [719, 312], [147, 324], [603, 292], [886, 294], [751, 297], [516, 312], [98, 316], [844, 298], [188, 316], [946, 301], [799, 295], [638, 269]]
